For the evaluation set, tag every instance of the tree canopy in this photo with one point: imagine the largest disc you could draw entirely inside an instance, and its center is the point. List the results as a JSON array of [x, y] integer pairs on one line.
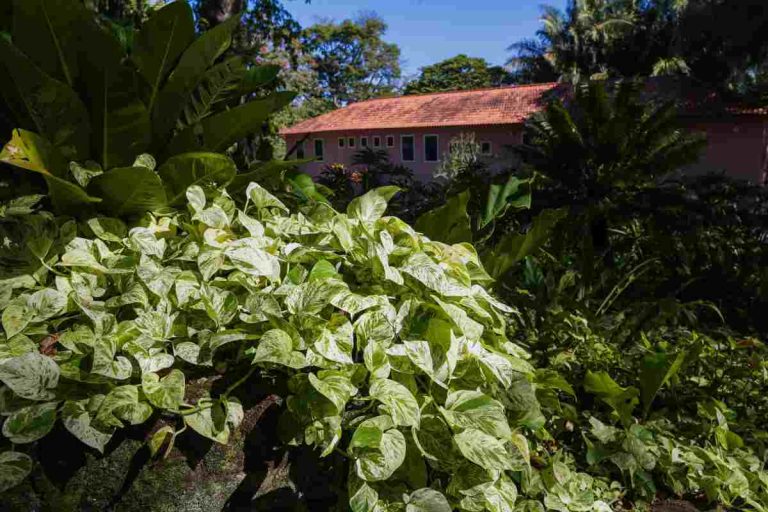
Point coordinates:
[[458, 73]]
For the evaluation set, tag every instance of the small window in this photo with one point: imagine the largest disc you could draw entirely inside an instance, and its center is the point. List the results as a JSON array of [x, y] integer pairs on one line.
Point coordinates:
[[430, 148], [377, 142], [341, 142], [485, 148], [363, 142], [300, 150], [319, 149], [407, 148], [351, 142], [390, 141]]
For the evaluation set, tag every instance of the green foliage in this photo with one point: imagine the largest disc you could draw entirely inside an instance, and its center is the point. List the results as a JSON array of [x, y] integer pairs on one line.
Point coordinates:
[[457, 73], [170, 95]]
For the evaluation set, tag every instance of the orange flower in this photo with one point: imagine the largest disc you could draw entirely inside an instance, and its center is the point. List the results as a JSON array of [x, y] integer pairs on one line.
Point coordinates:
[[356, 177]]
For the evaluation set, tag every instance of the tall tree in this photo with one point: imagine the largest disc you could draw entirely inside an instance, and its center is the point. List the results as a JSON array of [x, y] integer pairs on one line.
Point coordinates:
[[351, 59], [458, 73]]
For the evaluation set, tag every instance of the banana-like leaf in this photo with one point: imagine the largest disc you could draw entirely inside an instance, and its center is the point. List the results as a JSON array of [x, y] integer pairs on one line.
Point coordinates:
[[448, 223], [220, 131], [204, 169], [269, 174], [219, 84], [159, 44], [514, 193], [120, 120], [196, 59], [53, 108], [513, 248], [128, 191], [47, 31], [32, 152], [303, 186], [68, 197], [257, 77]]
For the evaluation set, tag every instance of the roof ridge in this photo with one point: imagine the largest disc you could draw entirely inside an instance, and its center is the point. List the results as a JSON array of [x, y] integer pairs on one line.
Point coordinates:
[[459, 91]]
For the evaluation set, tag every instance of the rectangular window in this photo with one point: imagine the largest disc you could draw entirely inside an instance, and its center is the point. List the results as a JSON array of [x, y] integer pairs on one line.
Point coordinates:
[[363, 142], [430, 148], [351, 142], [485, 148], [341, 142], [390, 141], [407, 148], [377, 142], [319, 149], [300, 150]]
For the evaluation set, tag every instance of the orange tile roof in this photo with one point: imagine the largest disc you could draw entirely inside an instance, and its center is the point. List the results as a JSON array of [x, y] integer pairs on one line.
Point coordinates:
[[500, 106]]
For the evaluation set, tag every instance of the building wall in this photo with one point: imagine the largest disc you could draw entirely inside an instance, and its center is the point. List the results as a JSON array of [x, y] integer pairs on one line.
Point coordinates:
[[501, 138], [736, 146]]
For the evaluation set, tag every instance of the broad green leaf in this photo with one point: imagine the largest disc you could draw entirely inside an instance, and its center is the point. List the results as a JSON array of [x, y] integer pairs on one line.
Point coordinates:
[[162, 438], [254, 262], [515, 193], [270, 174], [52, 107], [14, 468], [371, 205], [122, 404], [219, 131], [77, 417], [514, 247], [656, 370], [32, 152], [33, 376], [385, 452], [30, 423], [67, 197], [164, 393], [276, 346], [622, 400], [16, 316], [17, 346], [473, 409], [259, 76], [209, 419], [336, 340], [159, 44], [129, 191], [448, 223], [262, 199], [427, 500], [194, 169], [335, 386], [484, 450], [398, 402], [108, 229], [218, 85], [196, 59]]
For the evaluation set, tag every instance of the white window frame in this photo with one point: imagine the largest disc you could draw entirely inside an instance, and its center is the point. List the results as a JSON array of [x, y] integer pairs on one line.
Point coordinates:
[[394, 141], [402, 156], [342, 142], [361, 142], [437, 152], [314, 149], [351, 142], [490, 147], [376, 138]]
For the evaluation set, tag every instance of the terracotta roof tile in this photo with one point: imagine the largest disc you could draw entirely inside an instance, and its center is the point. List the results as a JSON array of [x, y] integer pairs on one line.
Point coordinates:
[[504, 105]]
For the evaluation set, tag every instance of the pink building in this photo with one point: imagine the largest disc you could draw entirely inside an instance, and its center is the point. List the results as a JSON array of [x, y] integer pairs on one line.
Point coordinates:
[[416, 130]]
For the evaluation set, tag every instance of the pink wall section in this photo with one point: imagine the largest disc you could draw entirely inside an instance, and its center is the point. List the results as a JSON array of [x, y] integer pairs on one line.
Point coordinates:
[[736, 146], [499, 137]]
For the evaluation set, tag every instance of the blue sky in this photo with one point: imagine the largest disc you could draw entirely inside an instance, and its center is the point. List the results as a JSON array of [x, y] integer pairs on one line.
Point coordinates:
[[428, 31]]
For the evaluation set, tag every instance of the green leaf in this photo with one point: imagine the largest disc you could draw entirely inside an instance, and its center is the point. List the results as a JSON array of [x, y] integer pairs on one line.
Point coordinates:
[[335, 386], [166, 393], [51, 107], [656, 370], [427, 500], [33, 376], [218, 132], [473, 409], [209, 419], [194, 169], [122, 404], [16, 317], [515, 193], [196, 59], [14, 468], [371, 205], [164, 437], [68, 197], [448, 223], [622, 400], [30, 423], [218, 86], [381, 454], [32, 152], [261, 198], [514, 247], [398, 402], [77, 417], [159, 44], [484, 450], [129, 191], [270, 174], [276, 346], [257, 77]]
